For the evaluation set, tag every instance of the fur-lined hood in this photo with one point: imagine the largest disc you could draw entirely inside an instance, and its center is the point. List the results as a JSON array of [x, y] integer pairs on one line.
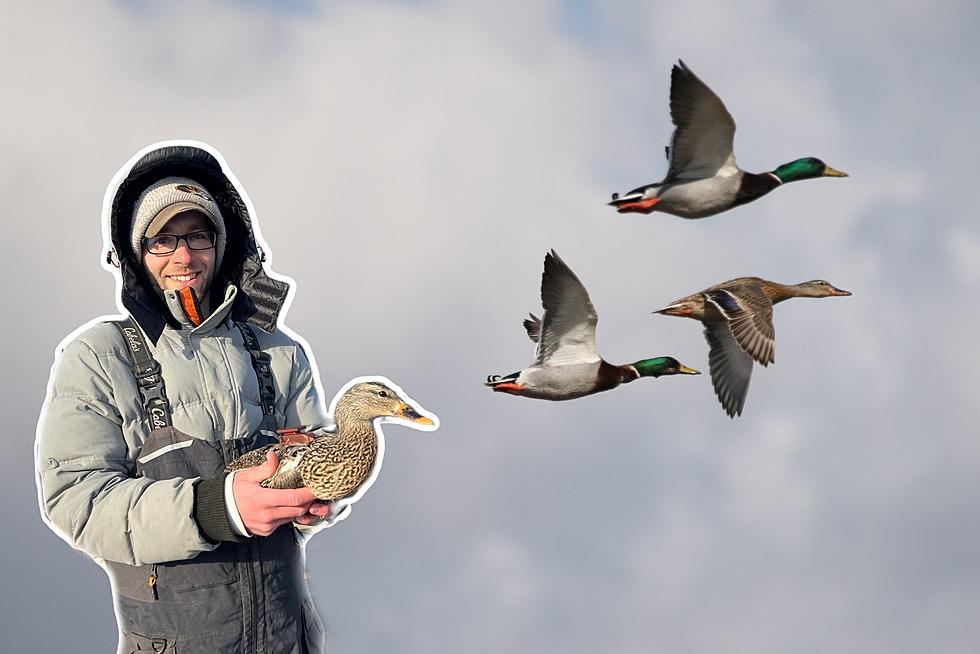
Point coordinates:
[[261, 297]]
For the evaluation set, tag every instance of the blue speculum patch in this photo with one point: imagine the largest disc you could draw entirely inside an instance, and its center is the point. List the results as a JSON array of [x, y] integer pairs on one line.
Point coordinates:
[[725, 301]]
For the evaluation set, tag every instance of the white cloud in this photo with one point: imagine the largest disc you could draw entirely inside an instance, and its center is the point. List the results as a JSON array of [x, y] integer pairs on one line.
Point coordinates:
[[964, 250]]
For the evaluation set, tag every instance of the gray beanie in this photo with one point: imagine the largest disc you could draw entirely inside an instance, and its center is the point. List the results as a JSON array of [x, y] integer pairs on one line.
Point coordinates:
[[163, 200]]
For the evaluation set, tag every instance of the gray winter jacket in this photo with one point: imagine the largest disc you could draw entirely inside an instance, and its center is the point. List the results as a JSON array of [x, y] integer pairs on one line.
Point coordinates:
[[151, 507]]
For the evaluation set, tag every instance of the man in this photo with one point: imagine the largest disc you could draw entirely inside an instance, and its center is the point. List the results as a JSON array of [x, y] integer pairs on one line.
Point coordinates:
[[141, 418]]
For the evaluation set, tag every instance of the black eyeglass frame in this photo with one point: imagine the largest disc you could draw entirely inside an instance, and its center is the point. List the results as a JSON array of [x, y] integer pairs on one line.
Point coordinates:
[[184, 237]]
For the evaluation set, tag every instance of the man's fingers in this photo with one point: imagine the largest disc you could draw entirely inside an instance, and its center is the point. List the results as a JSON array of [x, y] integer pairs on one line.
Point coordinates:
[[309, 520], [291, 497], [285, 513], [320, 508], [276, 515], [265, 509], [268, 520]]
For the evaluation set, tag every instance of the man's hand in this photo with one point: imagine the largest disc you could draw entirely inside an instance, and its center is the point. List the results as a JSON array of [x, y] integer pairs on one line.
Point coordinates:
[[263, 510]]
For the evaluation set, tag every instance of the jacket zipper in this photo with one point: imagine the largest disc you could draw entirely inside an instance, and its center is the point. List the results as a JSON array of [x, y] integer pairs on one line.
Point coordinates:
[[253, 600], [151, 581]]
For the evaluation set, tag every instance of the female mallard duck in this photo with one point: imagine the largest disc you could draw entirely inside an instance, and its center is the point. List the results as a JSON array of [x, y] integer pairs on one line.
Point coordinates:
[[342, 465], [702, 178], [566, 365], [737, 318]]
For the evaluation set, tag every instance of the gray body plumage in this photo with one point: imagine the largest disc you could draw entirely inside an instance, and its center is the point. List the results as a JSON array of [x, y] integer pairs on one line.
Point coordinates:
[[695, 198], [565, 382]]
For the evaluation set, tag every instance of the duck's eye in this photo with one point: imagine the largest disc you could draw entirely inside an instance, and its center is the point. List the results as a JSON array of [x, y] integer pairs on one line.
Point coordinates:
[[382, 393]]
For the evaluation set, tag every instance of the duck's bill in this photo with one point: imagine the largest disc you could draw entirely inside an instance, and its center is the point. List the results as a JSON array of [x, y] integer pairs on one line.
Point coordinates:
[[634, 204], [833, 172], [840, 292], [408, 412], [684, 370], [675, 310]]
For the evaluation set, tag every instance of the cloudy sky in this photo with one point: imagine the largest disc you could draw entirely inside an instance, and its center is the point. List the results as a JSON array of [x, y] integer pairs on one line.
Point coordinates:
[[411, 163]]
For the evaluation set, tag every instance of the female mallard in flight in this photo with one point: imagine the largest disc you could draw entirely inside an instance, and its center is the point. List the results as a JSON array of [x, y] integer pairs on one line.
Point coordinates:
[[342, 465], [737, 318], [566, 365], [703, 178]]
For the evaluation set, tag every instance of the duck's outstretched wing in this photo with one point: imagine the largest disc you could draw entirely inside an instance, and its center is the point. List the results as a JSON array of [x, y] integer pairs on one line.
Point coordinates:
[[731, 367], [567, 332], [749, 314], [705, 132]]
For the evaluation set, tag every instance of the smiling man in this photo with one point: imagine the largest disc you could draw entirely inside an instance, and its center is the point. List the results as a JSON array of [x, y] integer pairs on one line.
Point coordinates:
[[180, 234], [143, 414]]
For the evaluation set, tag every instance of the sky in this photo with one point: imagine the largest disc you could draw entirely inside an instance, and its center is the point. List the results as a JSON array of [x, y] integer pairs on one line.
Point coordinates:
[[410, 164]]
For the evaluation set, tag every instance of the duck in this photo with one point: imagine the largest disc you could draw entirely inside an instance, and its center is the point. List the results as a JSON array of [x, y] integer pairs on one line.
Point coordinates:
[[341, 465], [702, 176], [566, 363], [737, 319]]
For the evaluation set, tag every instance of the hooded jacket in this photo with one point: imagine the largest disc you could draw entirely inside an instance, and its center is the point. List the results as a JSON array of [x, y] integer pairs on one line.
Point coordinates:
[[95, 491]]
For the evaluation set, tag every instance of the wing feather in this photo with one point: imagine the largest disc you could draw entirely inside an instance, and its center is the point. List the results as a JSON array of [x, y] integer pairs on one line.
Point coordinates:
[[731, 367], [703, 141], [533, 327], [749, 316], [567, 332]]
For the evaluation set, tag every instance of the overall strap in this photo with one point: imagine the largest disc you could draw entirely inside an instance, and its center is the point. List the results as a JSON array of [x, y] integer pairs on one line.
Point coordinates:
[[260, 362], [147, 372]]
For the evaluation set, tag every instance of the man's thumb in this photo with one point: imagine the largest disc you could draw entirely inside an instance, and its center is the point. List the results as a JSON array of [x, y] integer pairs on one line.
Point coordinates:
[[264, 471]]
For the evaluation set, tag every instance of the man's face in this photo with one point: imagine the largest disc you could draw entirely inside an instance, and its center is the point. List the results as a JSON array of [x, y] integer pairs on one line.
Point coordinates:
[[183, 267]]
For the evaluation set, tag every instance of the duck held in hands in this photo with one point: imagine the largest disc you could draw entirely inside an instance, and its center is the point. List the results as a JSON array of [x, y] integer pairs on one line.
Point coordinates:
[[342, 465]]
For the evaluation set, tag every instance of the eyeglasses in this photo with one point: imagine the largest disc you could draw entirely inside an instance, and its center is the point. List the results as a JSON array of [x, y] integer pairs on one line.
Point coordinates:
[[167, 243]]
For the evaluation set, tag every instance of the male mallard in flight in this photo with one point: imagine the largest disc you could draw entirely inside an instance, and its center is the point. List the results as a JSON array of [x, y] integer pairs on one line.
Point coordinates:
[[341, 466], [703, 178], [737, 318], [566, 363]]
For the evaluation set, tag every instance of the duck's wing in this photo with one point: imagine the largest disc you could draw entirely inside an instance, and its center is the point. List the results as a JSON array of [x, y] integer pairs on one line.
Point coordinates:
[[705, 132], [250, 459], [748, 312], [287, 474], [567, 333], [731, 367]]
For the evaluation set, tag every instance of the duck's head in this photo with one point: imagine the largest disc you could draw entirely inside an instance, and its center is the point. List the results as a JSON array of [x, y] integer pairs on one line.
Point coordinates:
[[660, 366], [374, 399], [806, 168], [819, 288]]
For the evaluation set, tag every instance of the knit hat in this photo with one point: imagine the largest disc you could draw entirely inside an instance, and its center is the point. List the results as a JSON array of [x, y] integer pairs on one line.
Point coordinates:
[[168, 197]]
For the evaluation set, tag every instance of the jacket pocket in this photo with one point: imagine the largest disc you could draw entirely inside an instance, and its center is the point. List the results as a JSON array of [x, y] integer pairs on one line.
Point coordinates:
[[133, 643], [173, 580], [218, 567], [169, 453]]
